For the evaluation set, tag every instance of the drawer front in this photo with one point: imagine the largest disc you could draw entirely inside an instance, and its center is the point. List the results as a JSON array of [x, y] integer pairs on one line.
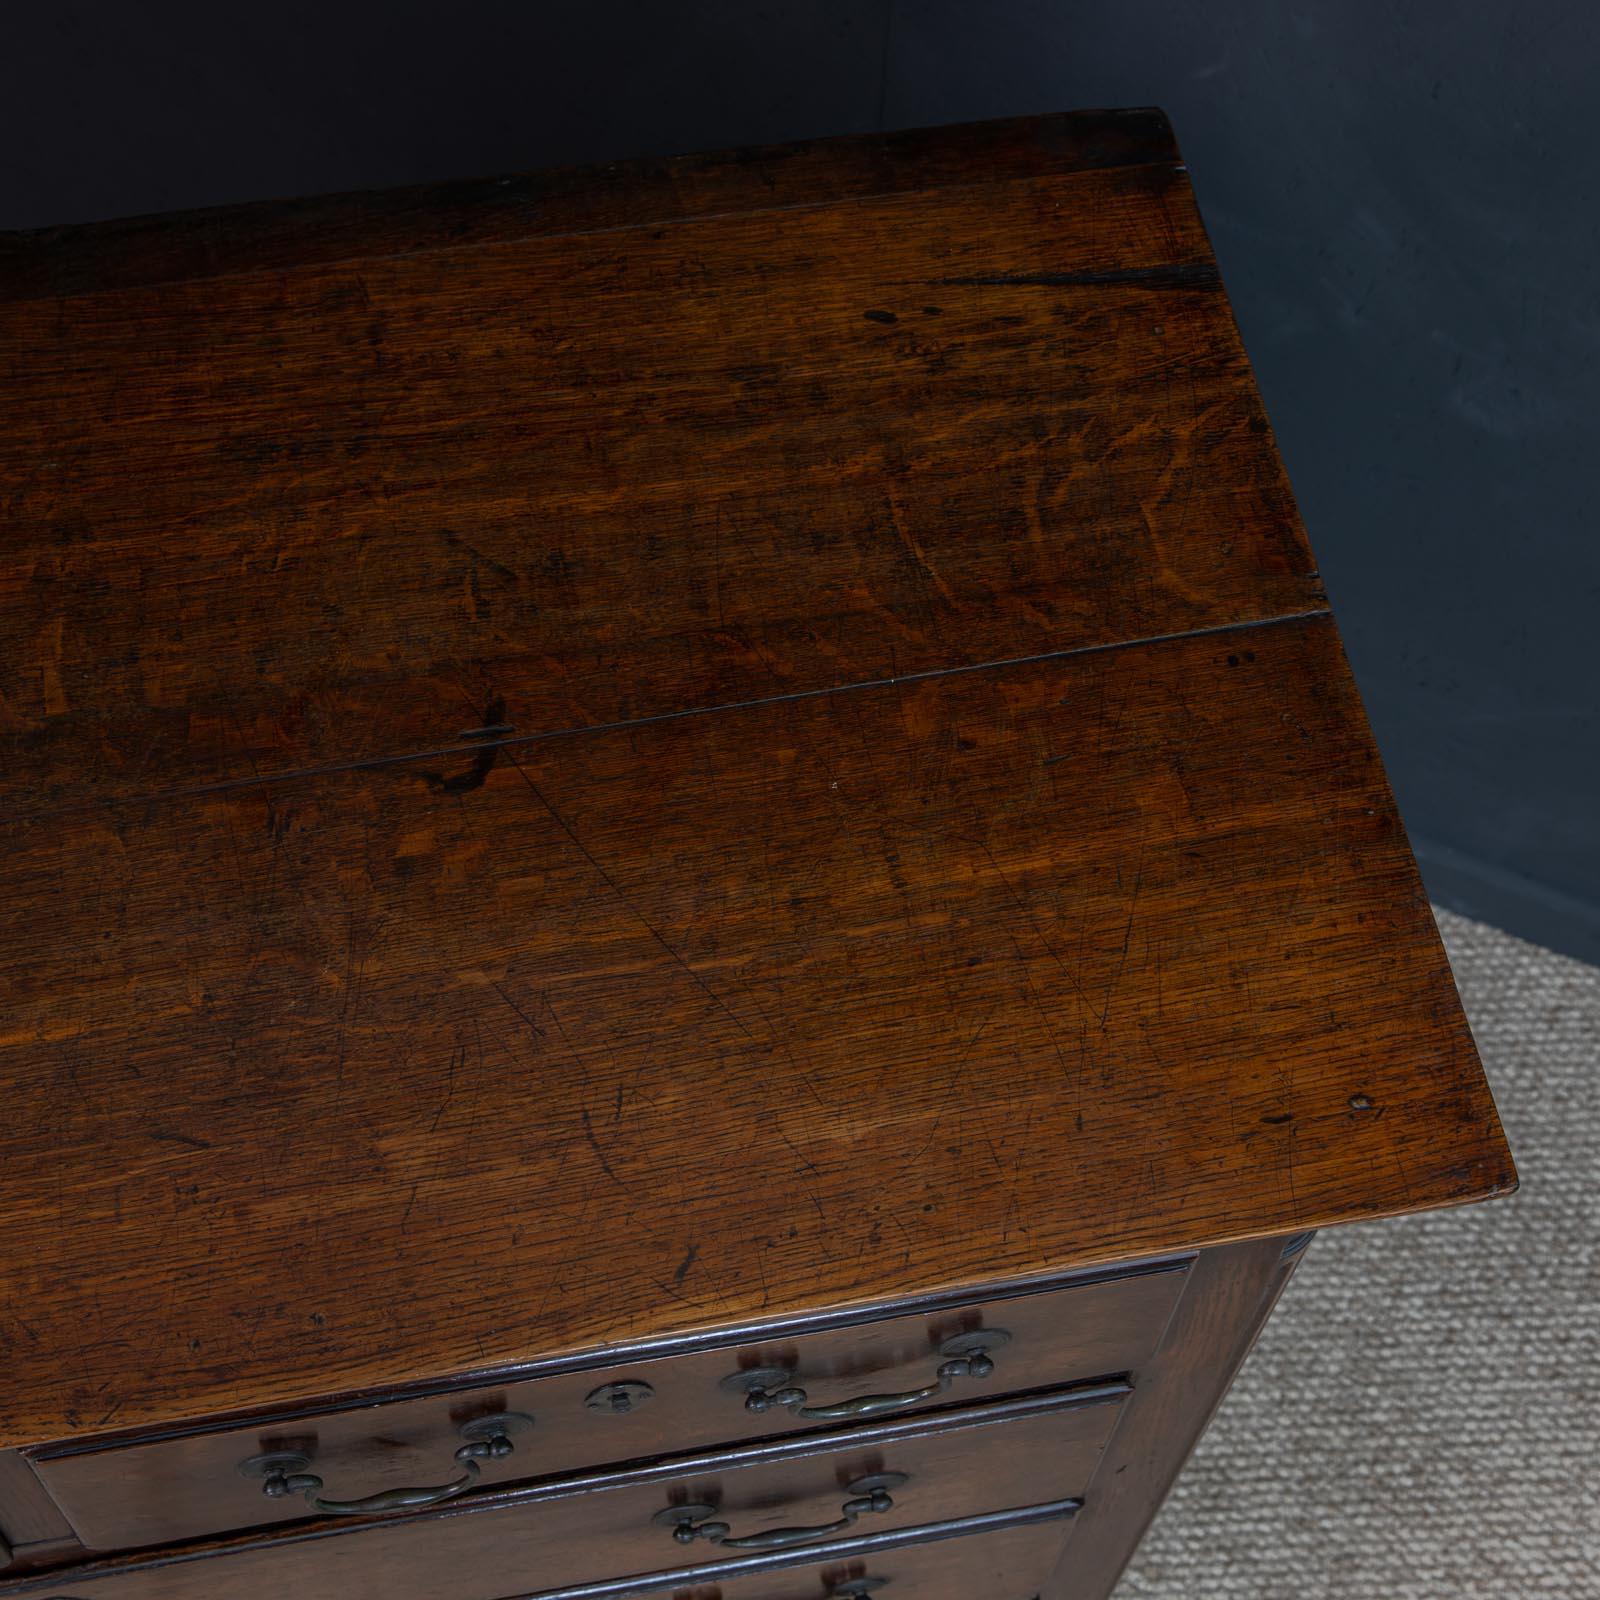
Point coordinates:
[[778, 1497], [137, 1494], [1005, 1557]]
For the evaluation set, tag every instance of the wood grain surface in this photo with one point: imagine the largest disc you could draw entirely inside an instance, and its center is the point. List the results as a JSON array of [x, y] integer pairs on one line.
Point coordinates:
[[356, 1079], [597, 783], [289, 518]]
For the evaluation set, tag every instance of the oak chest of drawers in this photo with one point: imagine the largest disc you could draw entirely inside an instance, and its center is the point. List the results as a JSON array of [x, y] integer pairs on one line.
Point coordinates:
[[695, 903]]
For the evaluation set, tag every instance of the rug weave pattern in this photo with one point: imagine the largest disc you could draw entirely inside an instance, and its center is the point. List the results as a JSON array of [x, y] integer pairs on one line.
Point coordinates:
[[1421, 1418]]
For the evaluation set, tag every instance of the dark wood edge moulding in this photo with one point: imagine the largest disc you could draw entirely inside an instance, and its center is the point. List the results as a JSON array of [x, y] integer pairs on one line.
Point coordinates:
[[275, 235]]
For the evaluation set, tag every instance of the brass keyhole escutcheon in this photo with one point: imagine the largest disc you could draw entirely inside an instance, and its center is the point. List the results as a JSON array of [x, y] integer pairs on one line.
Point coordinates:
[[620, 1398]]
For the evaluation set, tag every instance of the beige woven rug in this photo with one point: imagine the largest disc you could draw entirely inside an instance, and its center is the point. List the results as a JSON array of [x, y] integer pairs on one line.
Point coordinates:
[[1421, 1418]]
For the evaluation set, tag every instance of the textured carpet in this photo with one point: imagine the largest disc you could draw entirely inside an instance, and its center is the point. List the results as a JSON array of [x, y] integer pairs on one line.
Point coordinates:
[[1421, 1418]]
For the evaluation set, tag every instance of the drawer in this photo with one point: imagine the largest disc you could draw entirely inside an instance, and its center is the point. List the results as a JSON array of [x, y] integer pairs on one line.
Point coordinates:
[[134, 1493], [1006, 1556], [797, 1497]]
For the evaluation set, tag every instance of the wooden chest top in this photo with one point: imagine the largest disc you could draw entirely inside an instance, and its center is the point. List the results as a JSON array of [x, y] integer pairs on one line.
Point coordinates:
[[601, 755]]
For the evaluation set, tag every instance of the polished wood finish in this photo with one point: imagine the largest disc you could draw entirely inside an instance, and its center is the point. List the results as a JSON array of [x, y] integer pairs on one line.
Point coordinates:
[[350, 509], [162, 1491], [947, 982], [1006, 1455], [684, 763]]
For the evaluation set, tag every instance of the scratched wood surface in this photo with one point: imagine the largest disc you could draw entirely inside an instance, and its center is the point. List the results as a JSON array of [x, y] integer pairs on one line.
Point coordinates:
[[377, 1008], [291, 517], [346, 1079]]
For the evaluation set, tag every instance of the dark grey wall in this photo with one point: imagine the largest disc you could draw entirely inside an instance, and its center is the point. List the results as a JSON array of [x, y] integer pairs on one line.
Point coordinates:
[[1403, 196]]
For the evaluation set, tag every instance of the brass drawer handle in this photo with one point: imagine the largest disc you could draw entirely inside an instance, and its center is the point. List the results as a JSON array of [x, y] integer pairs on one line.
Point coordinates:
[[869, 1494], [765, 1387], [283, 1472], [288, 1478]]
